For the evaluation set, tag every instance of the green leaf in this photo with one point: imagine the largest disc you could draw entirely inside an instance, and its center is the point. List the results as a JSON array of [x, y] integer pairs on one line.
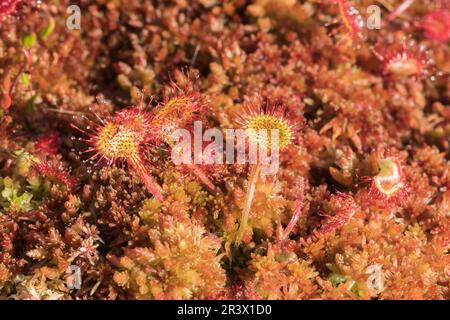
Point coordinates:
[[25, 78], [9, 189], [22, 203], [29, 40], [31, 101], [10, 198], [336, 279], [48, 29]]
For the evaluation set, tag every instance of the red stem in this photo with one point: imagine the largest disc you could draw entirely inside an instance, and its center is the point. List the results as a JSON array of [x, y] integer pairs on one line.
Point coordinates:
[[297, 211], [399, 10], [148, 180], [202, 177]]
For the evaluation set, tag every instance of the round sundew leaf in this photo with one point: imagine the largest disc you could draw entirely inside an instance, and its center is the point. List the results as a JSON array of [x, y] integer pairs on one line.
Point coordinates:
[[257, 124]]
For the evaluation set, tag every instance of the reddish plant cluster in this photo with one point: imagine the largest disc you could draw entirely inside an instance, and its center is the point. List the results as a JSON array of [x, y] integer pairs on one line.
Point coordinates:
[[8, 7], [53, 172], [131, 133], [404, 61], [48, 144], [436, 25], [123, 140]]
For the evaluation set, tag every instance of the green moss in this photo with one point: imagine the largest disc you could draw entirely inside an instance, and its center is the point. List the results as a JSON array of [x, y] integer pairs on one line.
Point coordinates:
[[12, 198], [29, 40], [150, 211], [336, 279]]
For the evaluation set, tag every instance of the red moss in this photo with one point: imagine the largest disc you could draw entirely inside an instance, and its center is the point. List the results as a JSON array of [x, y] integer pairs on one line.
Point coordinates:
[[8, 7], [436, 25], [343, 207]]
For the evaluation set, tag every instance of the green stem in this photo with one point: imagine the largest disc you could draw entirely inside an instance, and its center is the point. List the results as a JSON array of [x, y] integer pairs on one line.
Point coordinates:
[[254, 174]]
